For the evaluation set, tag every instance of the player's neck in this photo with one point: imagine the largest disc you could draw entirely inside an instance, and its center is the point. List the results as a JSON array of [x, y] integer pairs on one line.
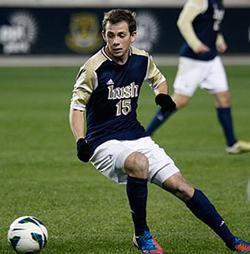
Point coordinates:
[[119, 60]]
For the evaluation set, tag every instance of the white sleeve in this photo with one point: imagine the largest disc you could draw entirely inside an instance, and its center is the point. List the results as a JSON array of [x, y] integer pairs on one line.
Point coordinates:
[[190, 11]]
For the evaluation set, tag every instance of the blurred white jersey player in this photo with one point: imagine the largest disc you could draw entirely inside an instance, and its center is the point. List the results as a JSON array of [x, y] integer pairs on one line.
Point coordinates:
[[200, 66]]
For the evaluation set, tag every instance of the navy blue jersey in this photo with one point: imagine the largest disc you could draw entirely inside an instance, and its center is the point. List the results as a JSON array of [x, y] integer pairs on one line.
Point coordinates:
[[109, 94], [206, 27]]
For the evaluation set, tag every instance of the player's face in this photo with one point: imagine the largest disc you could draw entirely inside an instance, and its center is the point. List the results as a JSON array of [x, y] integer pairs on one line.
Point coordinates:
[[118, 40]]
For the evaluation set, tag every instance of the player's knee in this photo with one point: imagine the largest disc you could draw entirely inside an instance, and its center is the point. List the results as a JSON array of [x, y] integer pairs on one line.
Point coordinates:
[[180, 101], [223, 99], [184, 192], [179, 187], [137, 165]]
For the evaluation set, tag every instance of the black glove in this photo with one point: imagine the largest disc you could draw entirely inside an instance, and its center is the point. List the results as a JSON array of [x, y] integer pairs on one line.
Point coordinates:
[[83, 152], [166, 102]]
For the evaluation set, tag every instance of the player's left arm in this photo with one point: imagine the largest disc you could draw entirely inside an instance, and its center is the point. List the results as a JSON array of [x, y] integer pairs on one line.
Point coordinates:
[[159, 85], [221, 45], [163, 99]]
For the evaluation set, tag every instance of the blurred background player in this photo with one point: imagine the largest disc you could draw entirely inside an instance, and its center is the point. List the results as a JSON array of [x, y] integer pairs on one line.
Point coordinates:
[[107, 89], [200, 65]]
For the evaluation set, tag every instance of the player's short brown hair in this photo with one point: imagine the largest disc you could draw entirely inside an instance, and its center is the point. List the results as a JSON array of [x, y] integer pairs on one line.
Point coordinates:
[[117, 15]]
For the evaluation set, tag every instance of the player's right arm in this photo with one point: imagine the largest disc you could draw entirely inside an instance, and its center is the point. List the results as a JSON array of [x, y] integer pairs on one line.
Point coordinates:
[[76, 120], [190, 11], [81, 93]]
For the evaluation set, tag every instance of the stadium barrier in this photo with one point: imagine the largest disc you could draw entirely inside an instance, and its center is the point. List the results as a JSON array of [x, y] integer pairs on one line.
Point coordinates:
[[74, 31], [71, 32]]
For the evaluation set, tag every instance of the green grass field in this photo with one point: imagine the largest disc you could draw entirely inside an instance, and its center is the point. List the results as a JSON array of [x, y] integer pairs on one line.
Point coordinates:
[[85, 212]]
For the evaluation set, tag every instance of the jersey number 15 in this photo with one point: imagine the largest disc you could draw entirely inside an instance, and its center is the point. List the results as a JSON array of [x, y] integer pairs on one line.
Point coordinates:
[[123, 107]]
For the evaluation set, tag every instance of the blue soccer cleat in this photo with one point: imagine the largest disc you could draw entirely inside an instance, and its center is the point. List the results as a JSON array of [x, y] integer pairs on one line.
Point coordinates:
[[147, 244], [240, 246]]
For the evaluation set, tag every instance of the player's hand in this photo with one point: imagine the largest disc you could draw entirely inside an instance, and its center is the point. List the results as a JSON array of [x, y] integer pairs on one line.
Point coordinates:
[[83, 152], [166, 102], [221, 47], [201, 49]]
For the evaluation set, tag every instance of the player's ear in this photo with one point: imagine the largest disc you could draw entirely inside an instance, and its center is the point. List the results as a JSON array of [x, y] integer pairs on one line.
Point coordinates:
[[104, 36], [133, 36]]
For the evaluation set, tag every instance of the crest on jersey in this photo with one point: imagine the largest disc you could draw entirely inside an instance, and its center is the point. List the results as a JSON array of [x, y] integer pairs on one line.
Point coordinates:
[[147, 31], [84, 33], [19, 34]]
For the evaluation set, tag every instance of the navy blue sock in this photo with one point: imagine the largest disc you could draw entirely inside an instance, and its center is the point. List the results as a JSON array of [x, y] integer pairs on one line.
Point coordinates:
[[225, 119], [137, 192], [158, 120], [201, 207]]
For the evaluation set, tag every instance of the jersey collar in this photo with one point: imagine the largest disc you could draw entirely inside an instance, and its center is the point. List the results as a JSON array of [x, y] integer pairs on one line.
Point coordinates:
[[105, 54]]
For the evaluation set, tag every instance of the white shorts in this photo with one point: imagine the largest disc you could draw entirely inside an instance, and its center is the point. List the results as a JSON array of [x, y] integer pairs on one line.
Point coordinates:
[[208, 75], [109, 159]]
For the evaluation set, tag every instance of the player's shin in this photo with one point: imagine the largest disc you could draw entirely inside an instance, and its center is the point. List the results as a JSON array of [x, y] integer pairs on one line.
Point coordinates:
[[202, 208], [137, 192], [158, 120]]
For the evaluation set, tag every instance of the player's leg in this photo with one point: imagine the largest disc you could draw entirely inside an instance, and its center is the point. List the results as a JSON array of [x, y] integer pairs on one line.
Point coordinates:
[[160, 118], [194, 199], [164, 173], [120, 162], [136, 165], [199, 205], [217, 84], [223, 108], [222, 100], [204, 210]]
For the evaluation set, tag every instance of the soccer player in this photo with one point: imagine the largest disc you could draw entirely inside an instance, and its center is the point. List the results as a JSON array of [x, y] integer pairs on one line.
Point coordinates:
[[106, 90], [200, 65]]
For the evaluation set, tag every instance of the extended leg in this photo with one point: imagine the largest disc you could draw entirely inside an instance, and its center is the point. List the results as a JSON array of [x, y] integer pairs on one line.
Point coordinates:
[[204, 210]]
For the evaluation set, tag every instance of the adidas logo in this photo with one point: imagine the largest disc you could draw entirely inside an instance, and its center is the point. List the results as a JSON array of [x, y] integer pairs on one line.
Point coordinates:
[[222, 223], [110, 82]]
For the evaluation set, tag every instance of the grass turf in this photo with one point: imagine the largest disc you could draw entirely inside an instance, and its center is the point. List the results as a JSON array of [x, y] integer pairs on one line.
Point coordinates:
[[85, 212]]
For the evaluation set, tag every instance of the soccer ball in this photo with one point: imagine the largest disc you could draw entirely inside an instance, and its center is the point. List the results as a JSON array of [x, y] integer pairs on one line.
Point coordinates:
[[27, 234]]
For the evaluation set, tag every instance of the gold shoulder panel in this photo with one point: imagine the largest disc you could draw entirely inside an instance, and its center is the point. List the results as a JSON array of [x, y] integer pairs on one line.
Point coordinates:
[[139, 52], [153, 76], [86, 81], [94, 62]]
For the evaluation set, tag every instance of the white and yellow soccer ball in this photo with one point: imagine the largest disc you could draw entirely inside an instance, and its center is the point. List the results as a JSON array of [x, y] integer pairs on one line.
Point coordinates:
[[27, 234]]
